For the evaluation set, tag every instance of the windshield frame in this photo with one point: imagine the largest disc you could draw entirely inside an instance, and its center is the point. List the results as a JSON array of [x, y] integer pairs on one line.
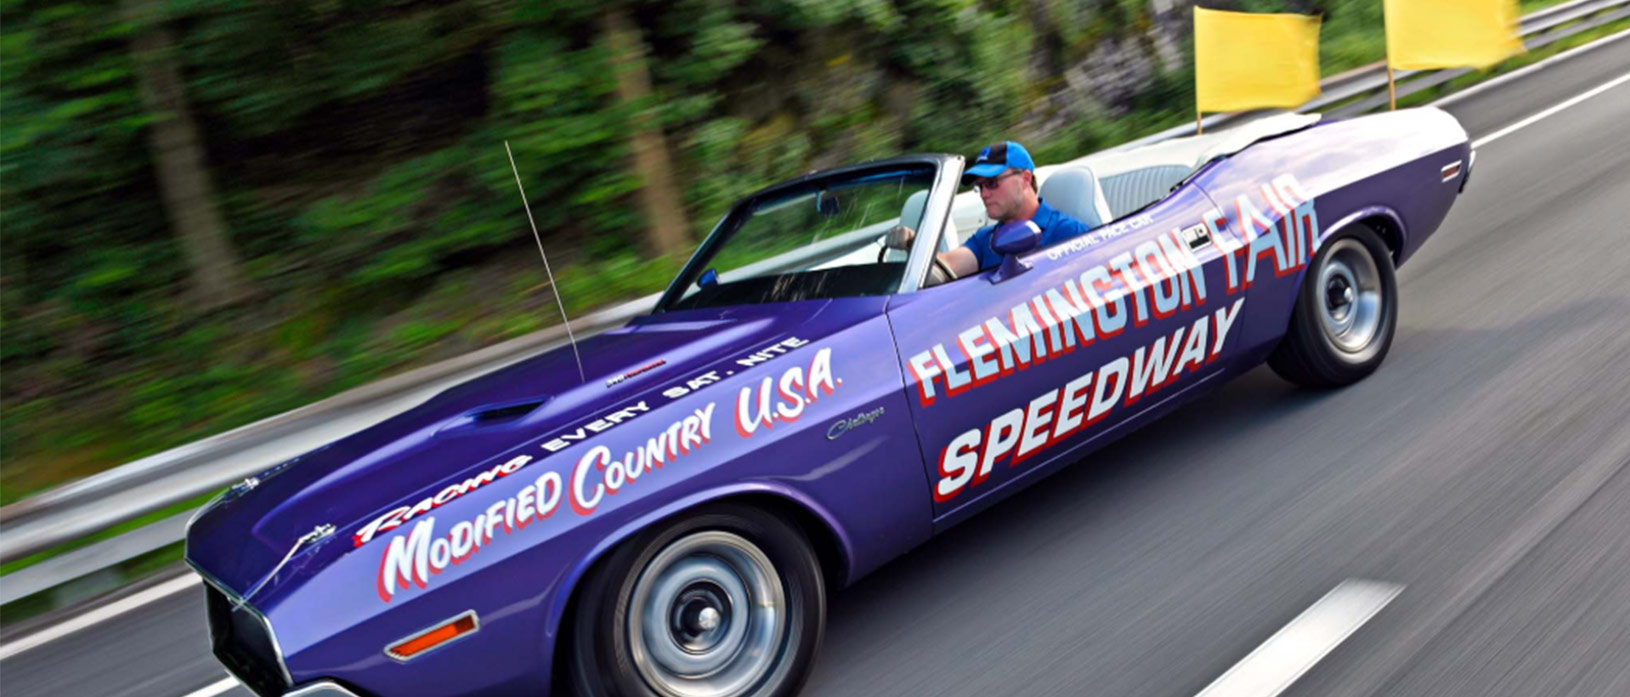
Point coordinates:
[[936, 213]]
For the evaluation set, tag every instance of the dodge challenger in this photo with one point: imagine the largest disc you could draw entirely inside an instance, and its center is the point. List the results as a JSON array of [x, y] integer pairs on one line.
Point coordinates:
[[803, 404]]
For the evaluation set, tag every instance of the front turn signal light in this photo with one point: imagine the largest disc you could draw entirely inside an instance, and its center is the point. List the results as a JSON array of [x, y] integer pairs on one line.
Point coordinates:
[[437, 635]]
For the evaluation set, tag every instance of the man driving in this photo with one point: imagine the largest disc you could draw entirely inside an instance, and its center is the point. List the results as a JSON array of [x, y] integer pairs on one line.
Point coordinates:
[[1005, 176]]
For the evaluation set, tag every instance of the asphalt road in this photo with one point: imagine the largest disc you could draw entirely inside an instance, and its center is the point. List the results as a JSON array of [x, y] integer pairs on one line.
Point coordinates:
[[1481, 469]]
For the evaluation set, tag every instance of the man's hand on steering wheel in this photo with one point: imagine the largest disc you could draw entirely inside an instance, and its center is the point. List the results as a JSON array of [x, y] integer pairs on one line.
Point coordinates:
[[898, 237]]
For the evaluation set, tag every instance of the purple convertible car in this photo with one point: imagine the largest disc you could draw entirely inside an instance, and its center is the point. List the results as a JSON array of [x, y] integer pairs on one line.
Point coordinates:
[[803, 405]]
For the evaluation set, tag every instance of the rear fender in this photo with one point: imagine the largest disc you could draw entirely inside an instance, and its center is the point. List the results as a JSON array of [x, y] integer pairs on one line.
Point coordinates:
[[1394, 239]]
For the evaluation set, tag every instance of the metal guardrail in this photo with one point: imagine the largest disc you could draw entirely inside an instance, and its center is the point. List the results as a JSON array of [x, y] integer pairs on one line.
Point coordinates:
[[161, 481]]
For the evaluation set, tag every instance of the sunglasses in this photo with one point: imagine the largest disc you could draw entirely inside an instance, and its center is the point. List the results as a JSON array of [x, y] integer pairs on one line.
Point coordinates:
[[987, 184]]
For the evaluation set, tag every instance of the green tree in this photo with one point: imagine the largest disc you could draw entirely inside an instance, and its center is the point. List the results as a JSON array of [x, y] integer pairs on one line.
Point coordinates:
[[659, 197], [179, 159]]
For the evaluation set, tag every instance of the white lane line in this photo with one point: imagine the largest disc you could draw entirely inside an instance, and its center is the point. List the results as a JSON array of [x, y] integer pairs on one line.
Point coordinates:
[[109, 611], [213, 689], [1515, 74], [1513, 128], [1296, 647]]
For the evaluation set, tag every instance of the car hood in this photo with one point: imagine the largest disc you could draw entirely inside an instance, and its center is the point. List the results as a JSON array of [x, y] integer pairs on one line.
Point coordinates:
[[470, 432]]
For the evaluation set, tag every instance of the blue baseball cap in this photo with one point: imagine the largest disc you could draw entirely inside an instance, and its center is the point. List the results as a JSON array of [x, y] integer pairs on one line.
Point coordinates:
[[998, 158]]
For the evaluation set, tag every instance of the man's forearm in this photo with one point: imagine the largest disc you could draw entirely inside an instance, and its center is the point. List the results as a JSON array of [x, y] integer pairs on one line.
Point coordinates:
[[961, 261]]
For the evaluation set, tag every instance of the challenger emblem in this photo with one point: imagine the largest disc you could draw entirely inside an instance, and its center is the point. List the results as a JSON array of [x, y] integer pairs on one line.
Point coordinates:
[[846, 425]]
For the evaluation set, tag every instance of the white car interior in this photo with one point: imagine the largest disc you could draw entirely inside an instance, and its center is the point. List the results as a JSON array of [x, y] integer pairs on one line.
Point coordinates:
[[1104, 187], [1099, 188]]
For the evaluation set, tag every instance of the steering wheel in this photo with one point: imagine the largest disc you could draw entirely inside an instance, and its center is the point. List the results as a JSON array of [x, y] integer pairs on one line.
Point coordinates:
[[944, 269], [939, 266]]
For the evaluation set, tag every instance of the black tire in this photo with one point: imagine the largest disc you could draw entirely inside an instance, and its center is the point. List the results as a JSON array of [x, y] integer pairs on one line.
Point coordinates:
[[605, 629], [1315, 352]]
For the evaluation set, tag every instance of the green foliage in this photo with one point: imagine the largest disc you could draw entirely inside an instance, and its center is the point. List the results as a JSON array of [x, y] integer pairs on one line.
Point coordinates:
[[357, 151]]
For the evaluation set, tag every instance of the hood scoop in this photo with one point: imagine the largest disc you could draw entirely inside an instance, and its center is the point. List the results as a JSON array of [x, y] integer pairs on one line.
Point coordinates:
[[490, 415]]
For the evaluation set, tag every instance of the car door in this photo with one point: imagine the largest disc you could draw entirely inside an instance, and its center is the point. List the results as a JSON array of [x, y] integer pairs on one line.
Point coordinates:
[[1006, 379]]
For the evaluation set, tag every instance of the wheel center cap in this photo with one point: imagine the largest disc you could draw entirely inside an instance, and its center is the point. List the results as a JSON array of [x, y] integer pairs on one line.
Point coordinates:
[[707, 619], [700, 618], [697, 617], [1338, 293]]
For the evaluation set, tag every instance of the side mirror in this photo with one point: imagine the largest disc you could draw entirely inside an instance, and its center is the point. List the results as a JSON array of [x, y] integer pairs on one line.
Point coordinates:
[[1010, 240], [826, 204]]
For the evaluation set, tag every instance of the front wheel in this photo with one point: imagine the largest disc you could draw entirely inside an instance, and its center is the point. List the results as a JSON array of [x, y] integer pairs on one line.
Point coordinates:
[[1345, 314], [727, 602]]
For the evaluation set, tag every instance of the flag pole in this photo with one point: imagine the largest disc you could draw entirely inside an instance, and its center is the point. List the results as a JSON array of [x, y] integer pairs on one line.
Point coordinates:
[[1199, 120], [1392, 85], [1392, 88]]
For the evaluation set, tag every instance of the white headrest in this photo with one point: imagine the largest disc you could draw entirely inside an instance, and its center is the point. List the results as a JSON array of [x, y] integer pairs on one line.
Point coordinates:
[[1075, 191], [911, 214]]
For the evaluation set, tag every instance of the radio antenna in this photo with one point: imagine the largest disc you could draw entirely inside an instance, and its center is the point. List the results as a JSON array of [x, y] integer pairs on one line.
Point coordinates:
[[563, 318]]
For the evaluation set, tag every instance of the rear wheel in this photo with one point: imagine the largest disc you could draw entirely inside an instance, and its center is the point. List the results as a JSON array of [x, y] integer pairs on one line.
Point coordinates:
[[727, 602], [1345, 314]]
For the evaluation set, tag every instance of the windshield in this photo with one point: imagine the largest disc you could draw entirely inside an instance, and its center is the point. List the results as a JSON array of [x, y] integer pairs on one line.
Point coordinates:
[[817, 239]]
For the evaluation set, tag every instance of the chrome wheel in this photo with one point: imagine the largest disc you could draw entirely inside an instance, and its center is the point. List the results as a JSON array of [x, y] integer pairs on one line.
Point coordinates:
[[1345, 314], [708, 617], [1351, 301]]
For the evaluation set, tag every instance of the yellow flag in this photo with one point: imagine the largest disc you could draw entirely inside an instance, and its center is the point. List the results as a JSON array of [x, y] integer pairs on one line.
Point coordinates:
[[1425, 34], [1246, 60]]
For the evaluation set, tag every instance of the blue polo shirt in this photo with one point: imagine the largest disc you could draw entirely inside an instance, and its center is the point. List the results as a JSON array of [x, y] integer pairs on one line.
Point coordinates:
[[1055, 228]]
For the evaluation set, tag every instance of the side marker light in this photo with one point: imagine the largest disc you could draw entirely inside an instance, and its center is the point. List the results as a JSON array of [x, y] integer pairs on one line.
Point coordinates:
[[1450, 171], [437, 635]]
